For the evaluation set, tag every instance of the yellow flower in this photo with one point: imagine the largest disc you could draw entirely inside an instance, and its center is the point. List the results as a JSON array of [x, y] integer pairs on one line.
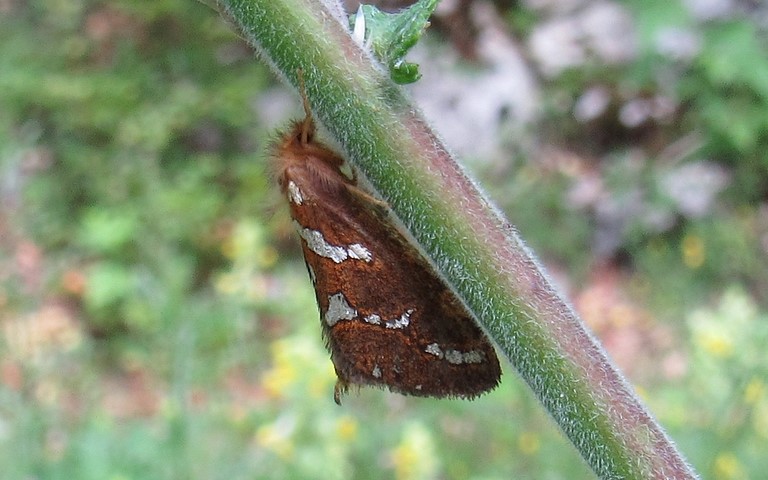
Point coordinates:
[[529, 443], [693, 251], [300, 365], [715, 343], [227, 284], [277, 437], [320, 385], [278, 379], [346, 428], [414, 457], [268, 257], [728, 467], [754, 391]]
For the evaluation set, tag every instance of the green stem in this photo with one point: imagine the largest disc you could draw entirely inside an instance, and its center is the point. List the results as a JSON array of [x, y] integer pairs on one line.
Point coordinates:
[[475, 249]]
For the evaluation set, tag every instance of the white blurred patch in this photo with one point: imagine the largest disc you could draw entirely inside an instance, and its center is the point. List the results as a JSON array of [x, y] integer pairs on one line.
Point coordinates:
[[693, 187], [602, 29]]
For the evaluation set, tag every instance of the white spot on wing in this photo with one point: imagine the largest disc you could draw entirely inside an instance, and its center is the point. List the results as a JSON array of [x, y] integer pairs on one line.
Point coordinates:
[[317, 243], [455, 357], [473, 356], [434, 349], [376, 371], [338, 309], [402, 322], [294, 194], [359, 252]]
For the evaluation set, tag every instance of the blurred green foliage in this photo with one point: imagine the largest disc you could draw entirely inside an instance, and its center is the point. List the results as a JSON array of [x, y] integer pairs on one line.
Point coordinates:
[[724, 90], [155, 316], [718, 116]]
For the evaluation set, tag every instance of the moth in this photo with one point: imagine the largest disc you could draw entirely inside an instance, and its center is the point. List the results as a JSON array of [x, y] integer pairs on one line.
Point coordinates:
[[388, 320]]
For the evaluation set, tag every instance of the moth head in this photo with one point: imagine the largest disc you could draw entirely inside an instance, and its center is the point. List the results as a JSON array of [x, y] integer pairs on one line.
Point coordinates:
[[299, 156]]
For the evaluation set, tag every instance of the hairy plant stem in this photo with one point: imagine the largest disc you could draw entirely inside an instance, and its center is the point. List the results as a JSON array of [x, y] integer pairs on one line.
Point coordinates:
[[472, 246]]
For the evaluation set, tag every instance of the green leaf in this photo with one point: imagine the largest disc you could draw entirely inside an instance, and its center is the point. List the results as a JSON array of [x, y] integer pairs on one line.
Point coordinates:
[[107, 229], [108, 284], [391, 35]]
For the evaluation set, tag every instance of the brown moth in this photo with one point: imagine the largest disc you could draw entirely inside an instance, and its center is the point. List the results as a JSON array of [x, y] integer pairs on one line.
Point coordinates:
[[387, 318]]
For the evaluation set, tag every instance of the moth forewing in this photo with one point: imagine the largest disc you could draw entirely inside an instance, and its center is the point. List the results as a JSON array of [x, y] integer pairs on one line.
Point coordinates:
[[387, 318]]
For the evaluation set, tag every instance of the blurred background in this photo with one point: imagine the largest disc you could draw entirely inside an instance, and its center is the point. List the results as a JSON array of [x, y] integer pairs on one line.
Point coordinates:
[[155, 316]]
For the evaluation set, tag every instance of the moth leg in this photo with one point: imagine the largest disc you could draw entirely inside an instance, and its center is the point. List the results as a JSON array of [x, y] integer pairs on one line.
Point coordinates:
[[308, 124], [367, 198], [341, 388]]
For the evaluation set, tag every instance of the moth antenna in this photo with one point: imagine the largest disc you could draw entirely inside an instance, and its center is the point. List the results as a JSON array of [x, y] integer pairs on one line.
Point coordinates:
[[307, 125]]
